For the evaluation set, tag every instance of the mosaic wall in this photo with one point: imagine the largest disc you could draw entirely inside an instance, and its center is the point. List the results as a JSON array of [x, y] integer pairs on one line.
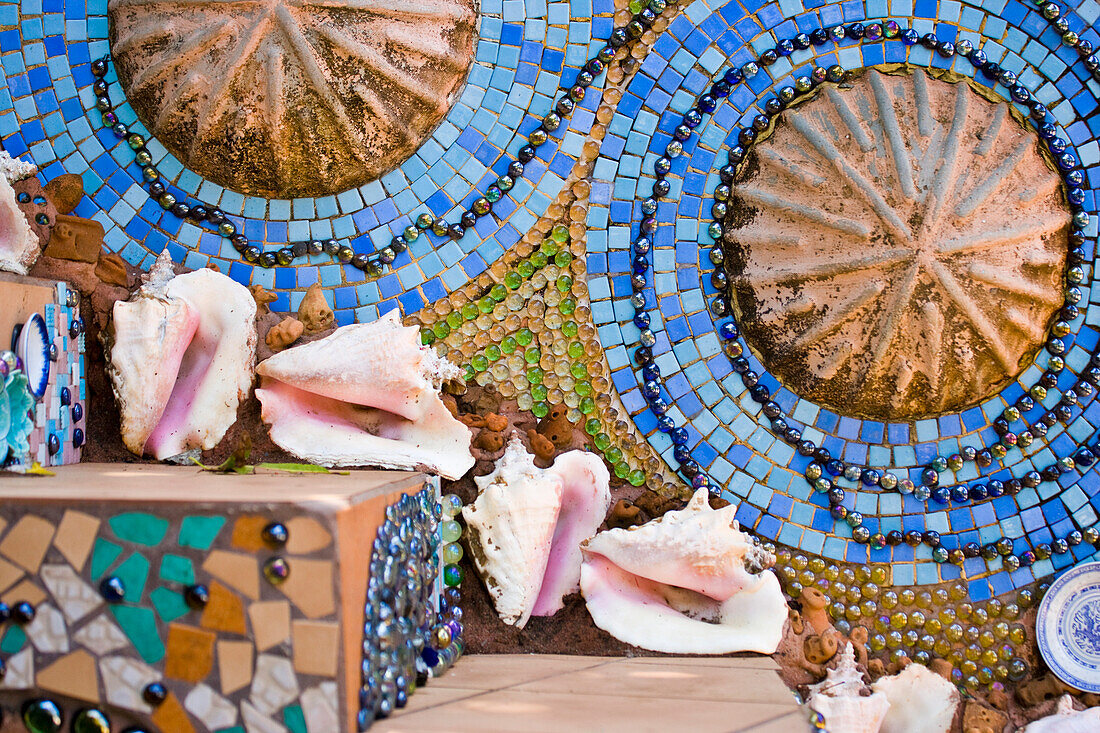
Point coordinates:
[[563, 235]]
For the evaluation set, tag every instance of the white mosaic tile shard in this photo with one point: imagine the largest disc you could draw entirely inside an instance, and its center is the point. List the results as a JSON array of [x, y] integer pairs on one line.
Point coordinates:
[[75, 597], [48, 632], [211, 708], [20, 674], [125, 678], [274, 684], [257, 722], [320, 709], [101, 636]]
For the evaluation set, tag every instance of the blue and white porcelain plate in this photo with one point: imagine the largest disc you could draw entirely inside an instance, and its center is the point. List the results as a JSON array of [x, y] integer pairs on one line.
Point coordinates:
[[1067, 627]]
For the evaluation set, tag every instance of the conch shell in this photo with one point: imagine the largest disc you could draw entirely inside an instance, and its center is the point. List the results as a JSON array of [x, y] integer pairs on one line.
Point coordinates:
[[838, 697], [182, 350], [920, 701], [526, 526], [1066, 719], [679, 584], [366, 395], [19, 245]]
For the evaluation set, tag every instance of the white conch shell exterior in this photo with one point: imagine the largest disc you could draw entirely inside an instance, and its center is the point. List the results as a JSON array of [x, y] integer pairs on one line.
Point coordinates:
[[19, 247], [1066, 719], [679, 585], [181, 359], [366, 395], [510, 529], [920, 701], [838, 698]]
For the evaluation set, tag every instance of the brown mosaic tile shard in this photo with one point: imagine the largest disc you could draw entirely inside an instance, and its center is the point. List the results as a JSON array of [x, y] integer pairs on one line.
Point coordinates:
[[234, 665], [241, 572], [27, 542], [306, 535], [270, 623], [74, 675], [310, 587], [315, 647], [224, 611], [75, 535], [190, 653]]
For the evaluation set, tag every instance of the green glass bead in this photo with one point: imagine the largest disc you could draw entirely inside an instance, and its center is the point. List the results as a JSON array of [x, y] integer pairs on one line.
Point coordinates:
[[575, 350], [587, 405], [451, 505], [143, 158], [470, 311], [424, 221], [560, 233], [535, 375], [564, 283], [532, 354], [492, 352], [135, 141], [441, 329], [537, 137], [450, 531], [602, 441], [505, 183], [539, 392], [539, 259], [410, 233], [525, 270], [451, 553], [540, 409], [42, 716], [507, 345], [563, 258], [549, 247], [592, 426], [479, 362], [486, 304], [513, 280], [569, 329], [493, 194], [167, 201], [498, 292], [90, 720], [613, 455], [636, 477], [622, 470], [524, 336], [452, 576], [454, 319], [567, 306], [582, 389]]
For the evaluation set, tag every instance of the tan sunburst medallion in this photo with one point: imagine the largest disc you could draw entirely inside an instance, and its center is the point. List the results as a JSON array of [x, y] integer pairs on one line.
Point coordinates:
[[289, 98], [897, 247]]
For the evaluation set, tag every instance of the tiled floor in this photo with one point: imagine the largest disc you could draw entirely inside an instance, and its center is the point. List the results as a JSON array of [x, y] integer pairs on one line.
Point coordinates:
[[532, 693]]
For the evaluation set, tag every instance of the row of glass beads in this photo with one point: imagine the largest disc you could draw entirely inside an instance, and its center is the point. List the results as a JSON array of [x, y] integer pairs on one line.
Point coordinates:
[[200, 213], [707, 103]]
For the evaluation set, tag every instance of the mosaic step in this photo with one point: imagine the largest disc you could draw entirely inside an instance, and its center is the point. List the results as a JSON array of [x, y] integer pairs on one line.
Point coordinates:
[[169, 598], [40, 322]]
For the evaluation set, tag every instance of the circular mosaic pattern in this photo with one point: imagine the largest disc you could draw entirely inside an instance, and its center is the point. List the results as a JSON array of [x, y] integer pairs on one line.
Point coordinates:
[[880, 237], [292, 98]]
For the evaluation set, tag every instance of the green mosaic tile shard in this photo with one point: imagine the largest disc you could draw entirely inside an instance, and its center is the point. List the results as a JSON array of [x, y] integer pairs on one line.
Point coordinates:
[[169, 604], [13, 641], [139, 527], [199, 532], [104, 553], [234, 729], [140, 627], [133, 572], [177, 569], [294, 719]]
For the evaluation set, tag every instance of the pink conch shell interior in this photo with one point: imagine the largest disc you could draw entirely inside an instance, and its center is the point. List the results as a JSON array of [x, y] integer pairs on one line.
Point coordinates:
[[366, 395]]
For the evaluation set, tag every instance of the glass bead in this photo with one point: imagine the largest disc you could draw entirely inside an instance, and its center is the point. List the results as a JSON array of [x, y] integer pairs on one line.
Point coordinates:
[[276, 570], [452, 575], [42, 716]]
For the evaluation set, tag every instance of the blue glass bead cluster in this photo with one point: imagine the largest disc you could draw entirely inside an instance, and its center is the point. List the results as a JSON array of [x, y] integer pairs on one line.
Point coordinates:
[[825, 472], [405, 638], [203, 214]]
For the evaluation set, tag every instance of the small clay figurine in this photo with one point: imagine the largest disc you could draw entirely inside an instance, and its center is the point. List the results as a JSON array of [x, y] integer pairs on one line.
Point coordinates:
[[284, 334], [814, 603], [314, 311]]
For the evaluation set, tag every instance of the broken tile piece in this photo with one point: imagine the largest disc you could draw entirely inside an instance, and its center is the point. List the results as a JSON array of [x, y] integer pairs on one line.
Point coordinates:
[[20, 674], [309, 586], [177, 569], [234, 665], [140, 527], [294, 719], [210, 707], [306, 535], [170, 715], [133, 572], [270, 623], [257, 722], [320, 708], [274, 685], [100, 635], [47, 631], [73, 675], [124, 679], [200, 532], [224, 611], [190, 653], [75, 597], [140, 627], [24, 591], [169, 604], [74, 538], [241, 572], [248, 532], [315, 647], [26, 543], [104, 554], [14, 639], [8, 574]]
